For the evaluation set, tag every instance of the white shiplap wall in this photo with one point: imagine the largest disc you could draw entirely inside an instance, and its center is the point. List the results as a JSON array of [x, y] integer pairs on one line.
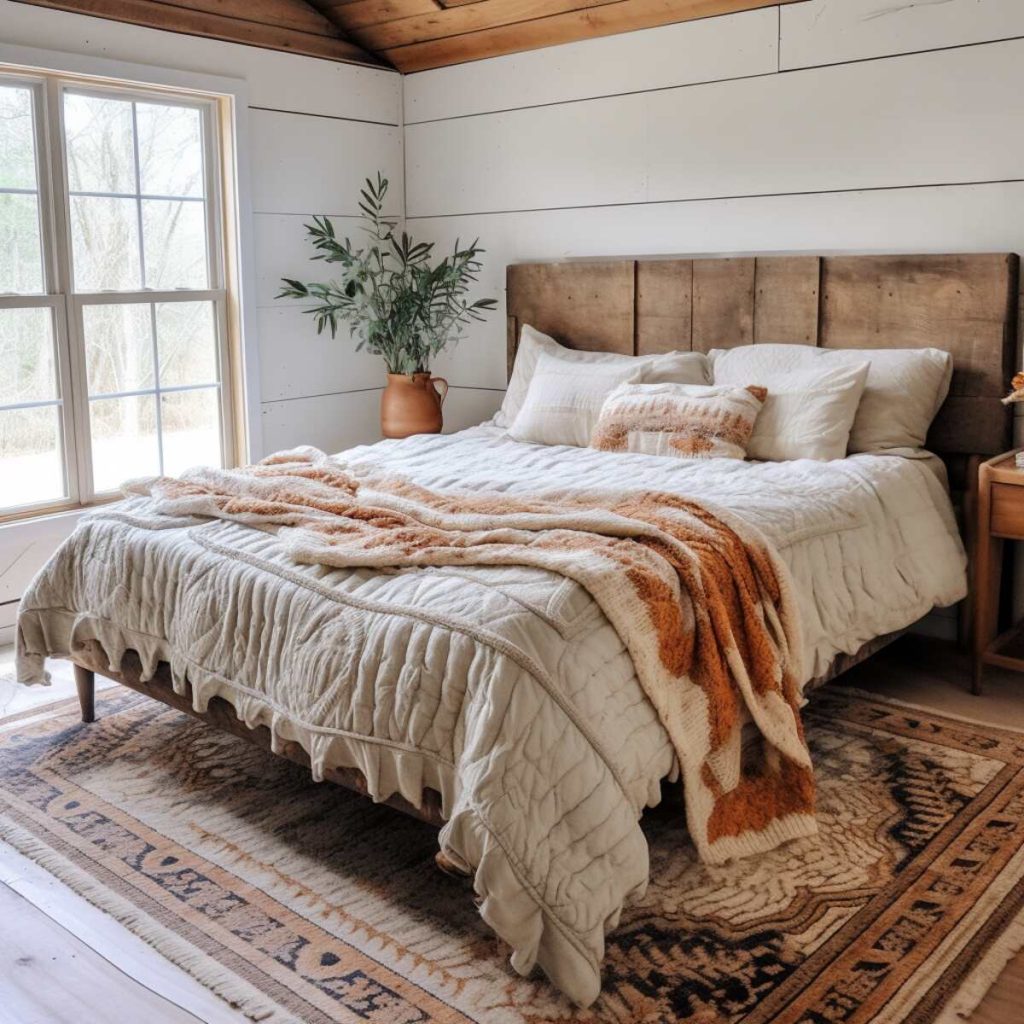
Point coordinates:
[[315, 129], [865, 125], [862, 125]]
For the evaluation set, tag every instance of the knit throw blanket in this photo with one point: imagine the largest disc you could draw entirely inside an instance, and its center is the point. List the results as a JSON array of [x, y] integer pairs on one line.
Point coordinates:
[[698, 598]]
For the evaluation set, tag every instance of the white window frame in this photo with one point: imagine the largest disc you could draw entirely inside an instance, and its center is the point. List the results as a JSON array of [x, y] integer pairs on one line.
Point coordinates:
[[67, 306]]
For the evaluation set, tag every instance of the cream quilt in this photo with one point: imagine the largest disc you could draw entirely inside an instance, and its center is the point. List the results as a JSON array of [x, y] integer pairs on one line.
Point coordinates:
[[504, 688]]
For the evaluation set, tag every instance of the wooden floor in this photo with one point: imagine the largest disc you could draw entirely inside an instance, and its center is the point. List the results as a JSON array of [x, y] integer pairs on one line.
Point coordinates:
[[61, 959], [64, 960]]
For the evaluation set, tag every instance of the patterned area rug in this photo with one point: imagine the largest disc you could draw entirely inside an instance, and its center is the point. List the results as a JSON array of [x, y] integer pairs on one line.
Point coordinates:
[[302, 902]]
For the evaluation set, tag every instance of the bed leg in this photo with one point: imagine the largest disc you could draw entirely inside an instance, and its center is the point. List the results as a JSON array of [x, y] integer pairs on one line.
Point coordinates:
[[85, 681], [448, 866]]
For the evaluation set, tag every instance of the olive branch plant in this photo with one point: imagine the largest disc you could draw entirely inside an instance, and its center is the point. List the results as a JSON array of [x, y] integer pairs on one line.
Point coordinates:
[[398, 302]]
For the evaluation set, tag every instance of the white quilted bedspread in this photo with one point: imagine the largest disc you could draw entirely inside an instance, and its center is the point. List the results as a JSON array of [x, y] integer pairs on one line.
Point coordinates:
[[506, 690]]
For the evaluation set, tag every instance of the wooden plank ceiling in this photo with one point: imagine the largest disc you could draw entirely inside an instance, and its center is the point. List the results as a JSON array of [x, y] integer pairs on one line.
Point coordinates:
[[290, 25], [414, 35], [410, 35]]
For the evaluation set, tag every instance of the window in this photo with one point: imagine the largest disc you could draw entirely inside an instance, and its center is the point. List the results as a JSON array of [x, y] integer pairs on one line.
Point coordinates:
[[113, 309]]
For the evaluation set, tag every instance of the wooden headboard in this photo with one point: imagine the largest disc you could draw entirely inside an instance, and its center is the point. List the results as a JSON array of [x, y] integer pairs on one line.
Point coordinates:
[[966, 304]]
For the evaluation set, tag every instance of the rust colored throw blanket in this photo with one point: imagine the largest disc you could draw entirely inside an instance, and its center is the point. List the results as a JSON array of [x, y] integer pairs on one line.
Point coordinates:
[[700, 601]]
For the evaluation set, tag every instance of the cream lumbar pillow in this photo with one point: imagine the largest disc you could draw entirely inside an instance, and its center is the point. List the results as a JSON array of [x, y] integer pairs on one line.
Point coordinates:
[[681, 367], [689, 421], [564, 399], [809, 411], [904, 389]]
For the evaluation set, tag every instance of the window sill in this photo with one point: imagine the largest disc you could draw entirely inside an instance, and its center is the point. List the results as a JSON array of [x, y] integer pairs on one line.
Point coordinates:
[[58, 516]]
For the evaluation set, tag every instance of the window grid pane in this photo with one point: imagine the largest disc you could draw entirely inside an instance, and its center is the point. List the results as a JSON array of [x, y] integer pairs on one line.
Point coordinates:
[[98, 143], [125, 237], [17, 139], [172, 158], [32, 465], [28, 356], [21, 251], [146, 361], [170, 447], [118, 348], [105, 244], [191, 435], [124, 440], [32, 455]]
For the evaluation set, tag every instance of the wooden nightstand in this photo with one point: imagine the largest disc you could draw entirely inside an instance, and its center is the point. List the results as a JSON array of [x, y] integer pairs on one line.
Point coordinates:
[[1000, 517]]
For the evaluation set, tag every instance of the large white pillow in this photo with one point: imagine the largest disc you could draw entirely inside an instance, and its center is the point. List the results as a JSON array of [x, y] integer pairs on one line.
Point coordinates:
[[564, 399], [905, 386], [810, 407], [674, 367]]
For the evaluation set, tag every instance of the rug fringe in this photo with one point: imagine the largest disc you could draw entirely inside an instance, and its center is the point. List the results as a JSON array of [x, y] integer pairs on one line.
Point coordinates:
[[968, 997], [224, 983]]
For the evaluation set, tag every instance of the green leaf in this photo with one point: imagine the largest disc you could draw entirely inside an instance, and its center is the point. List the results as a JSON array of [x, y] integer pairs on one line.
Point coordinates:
[[395, 302]]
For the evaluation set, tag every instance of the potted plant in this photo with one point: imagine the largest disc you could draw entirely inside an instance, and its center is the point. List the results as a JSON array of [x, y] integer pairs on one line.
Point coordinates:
[[399, 304]]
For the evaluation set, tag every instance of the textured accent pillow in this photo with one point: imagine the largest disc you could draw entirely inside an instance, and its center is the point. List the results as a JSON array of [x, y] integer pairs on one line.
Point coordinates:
[[564, 399], [680, 367], [688, 421], [904, 389]]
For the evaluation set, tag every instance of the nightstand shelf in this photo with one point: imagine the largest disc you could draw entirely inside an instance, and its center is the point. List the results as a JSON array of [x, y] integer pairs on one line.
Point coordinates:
[[1000, 517], [1007, 650]]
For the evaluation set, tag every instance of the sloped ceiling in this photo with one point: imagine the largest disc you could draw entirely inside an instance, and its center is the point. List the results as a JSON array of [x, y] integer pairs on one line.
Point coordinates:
[[413, 35], [290, 25], [410, 35]]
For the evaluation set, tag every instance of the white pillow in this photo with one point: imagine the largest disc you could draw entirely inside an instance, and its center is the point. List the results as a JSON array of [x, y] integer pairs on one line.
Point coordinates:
[[904, 390], [808, 412], [676, 367], [564, 399]]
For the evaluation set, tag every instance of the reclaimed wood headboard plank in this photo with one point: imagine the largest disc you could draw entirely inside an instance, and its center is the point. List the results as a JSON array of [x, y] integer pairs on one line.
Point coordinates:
[[664, 305], [588, 305], [964, 303], [723, 303], [787, 299]]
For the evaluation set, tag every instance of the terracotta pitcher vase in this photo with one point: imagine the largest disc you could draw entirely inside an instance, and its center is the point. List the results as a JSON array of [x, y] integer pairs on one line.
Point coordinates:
[[411, 404]]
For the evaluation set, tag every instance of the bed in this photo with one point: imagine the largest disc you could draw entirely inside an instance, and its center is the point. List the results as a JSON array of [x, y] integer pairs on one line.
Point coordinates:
[[499, 702]]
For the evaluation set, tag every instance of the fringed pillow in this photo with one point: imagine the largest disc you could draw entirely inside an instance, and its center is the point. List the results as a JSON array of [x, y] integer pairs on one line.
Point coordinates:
[[687, 421]]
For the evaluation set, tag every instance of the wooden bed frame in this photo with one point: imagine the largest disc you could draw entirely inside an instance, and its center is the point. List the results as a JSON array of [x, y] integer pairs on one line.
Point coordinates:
[[966, 304]]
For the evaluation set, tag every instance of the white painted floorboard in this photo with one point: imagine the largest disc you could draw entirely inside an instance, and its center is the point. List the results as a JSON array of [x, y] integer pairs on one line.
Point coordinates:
[[49, 977], [92, 960]]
